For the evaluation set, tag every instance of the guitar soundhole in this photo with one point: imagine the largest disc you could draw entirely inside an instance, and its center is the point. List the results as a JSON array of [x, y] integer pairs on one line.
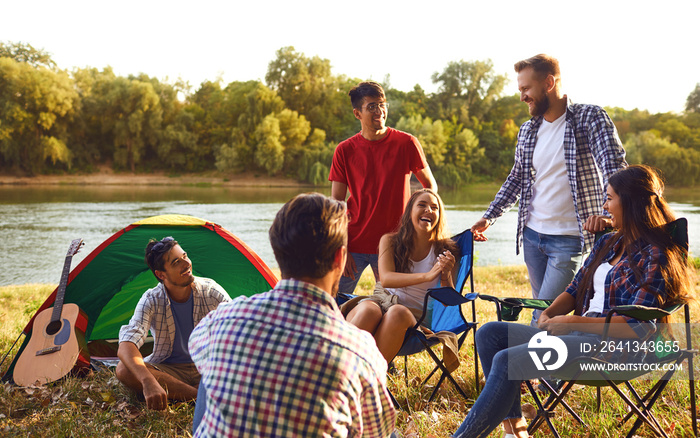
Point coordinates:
[[53, 327]]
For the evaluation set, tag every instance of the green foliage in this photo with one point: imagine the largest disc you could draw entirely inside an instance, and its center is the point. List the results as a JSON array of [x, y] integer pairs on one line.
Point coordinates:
[[680, 166], [269, 152], [288, 126], [692, 104], [307, 86], [27, 54], [468, 88], [36, 104]]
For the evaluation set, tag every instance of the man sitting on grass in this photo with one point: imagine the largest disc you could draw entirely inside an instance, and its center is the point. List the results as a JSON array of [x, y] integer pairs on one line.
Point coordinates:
[[285, 362], [170, 310]]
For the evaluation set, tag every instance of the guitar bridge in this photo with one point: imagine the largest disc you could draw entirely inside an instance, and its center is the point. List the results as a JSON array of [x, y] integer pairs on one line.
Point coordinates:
[[48, 350]]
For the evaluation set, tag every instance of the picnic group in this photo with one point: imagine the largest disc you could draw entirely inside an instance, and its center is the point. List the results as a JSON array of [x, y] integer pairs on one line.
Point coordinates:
[[297, 362]]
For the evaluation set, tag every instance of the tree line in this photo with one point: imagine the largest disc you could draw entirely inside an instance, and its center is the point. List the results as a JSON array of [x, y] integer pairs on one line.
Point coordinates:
[[53, 120]]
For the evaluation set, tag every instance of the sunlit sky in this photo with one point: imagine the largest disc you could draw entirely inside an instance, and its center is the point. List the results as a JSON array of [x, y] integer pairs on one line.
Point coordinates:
[[631, 54]]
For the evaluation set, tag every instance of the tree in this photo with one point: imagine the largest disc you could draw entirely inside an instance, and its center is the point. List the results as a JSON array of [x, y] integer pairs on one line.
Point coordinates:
[[430, 134], [692, 104], [21, 52], [36, 103], [90, 139], [134, 117], [402, 104], [269, 152], [468, 88], [680, 166], [307, 86]]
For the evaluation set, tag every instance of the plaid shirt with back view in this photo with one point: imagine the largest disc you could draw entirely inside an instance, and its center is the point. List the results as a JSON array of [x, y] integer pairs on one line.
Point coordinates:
[[285, 363]]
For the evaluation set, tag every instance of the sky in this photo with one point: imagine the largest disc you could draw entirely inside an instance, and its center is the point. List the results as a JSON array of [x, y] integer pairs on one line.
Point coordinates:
[[619, 53]]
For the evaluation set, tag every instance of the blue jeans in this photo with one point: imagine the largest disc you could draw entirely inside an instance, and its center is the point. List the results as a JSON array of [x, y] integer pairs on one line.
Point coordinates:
[[506, 361], [347, 285], [552, 262], [200, 406]]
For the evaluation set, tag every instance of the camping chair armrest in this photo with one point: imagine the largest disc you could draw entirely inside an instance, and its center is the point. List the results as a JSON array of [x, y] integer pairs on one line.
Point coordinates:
[[638, 312], [446, 295], [644, 313], [508, 309], [449, 296]]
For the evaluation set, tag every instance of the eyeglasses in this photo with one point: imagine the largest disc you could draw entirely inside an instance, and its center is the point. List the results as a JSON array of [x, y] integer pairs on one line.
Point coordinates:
[[373, 107], [159, 246]]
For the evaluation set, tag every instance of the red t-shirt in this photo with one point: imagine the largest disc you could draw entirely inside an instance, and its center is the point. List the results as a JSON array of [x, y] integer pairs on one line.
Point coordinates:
[[377, 174]]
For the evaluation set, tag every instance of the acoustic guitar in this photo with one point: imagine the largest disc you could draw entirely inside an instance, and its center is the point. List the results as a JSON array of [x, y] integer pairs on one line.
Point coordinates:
[[57, 343]]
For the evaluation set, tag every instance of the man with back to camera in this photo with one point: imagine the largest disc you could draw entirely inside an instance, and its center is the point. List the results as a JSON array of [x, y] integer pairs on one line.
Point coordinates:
[[170, 311], [285, 363], [563, 158], [376, 166]]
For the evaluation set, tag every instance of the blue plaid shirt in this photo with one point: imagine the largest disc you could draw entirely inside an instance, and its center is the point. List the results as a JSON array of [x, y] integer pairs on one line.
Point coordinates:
[[592, 151], [621, 286], [285, 363]]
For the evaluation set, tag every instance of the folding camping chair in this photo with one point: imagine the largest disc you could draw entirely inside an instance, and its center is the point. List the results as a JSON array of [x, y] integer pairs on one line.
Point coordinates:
[[640, 406], [445, 305]]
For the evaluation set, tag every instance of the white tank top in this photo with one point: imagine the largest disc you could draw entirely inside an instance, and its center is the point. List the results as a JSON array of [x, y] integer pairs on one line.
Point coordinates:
[[598, 300], [413, 296]]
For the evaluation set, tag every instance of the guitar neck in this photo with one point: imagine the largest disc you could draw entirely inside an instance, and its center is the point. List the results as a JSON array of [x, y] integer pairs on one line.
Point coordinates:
[[60, 293]]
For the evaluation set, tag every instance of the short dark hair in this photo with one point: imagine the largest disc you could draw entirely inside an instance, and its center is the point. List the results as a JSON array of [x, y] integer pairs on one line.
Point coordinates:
[[543, 65], [155, 250], [306, 234], [365, 89]]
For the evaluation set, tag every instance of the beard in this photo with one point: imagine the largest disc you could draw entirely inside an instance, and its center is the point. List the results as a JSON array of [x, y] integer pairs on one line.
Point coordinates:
[[183, 282], [540, 106], [336, 287]]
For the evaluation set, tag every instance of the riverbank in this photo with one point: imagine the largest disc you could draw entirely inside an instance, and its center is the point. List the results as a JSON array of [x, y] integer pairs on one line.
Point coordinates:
[[106, 176]]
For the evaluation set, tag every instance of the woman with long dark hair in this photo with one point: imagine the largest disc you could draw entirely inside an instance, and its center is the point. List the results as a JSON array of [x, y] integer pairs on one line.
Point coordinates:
[[418, 256], [636, 264]]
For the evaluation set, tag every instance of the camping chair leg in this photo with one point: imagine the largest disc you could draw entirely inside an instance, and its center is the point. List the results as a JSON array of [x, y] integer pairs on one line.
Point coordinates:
[[646, 407], [640, 415], [431, 375], [476, 355], [449, 375], [393, 400], [542, 414], [555, 398], [476, 367], [598, 398], [691, 385], [646, 402], [405, 369], [445, 373]]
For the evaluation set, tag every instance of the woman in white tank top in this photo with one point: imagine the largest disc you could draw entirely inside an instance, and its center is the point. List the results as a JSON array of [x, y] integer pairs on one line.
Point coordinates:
[[417, 257]]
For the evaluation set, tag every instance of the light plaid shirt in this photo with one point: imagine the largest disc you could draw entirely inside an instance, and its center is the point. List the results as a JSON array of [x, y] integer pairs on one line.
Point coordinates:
[[285, 363], [592, 151], [153, 312]]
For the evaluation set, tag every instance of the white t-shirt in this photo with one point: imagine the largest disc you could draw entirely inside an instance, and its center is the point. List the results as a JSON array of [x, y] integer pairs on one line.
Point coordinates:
[[551, 209], [598, 300], [413, 296]]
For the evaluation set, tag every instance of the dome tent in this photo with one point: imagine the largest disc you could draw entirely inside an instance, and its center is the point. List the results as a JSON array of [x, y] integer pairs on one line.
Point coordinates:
[[109, 282]]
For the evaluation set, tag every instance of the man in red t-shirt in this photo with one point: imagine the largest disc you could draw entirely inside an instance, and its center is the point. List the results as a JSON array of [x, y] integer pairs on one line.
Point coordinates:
[[376, 165]]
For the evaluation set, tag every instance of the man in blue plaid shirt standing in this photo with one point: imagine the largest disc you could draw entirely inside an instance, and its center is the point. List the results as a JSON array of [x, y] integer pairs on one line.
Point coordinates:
[[563, 158]]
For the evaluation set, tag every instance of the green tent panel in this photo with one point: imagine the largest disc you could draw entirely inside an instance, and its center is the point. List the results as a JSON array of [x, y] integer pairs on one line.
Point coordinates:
[[108, 283]]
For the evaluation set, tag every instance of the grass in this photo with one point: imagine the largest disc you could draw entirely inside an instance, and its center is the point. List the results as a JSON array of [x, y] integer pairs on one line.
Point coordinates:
[[97, 405]]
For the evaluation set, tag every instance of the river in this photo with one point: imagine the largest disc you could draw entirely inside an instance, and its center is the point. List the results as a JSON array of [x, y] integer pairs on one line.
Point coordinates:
[[37, 223]]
